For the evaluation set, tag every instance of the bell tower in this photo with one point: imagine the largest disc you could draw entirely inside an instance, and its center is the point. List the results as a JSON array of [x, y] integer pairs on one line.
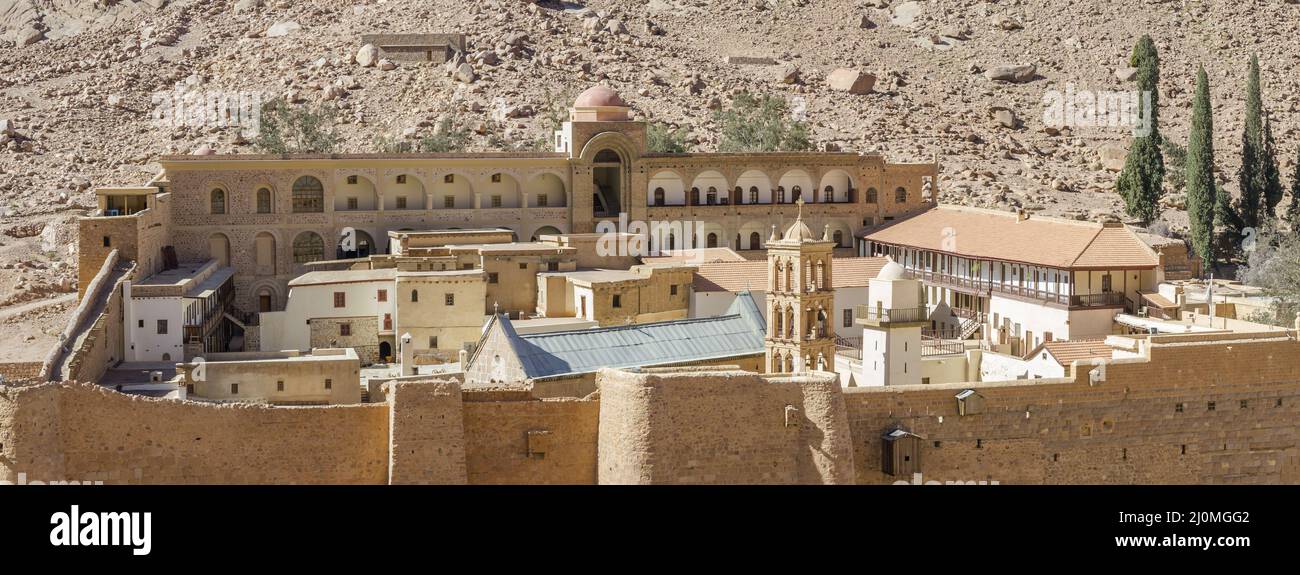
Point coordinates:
[[800, 300]]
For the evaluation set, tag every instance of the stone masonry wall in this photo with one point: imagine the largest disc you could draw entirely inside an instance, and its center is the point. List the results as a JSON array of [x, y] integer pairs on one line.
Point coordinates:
[[1219, 413], [515, 438], [83, 432], [708, 426]]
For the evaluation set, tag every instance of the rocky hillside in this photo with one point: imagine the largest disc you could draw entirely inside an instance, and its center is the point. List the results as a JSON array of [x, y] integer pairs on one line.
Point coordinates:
[[965, 80]]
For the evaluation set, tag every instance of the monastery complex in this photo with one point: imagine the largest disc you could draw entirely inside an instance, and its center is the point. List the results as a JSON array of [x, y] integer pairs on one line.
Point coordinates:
[[604, 314]]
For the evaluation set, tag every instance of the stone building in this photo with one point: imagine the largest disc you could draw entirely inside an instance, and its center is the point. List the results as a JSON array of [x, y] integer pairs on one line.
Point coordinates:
[[270, 216], [800, 300]]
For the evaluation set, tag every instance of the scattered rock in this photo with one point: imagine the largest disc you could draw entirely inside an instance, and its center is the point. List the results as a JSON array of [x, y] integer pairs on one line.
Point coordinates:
[[790, 75], [1017, 73], [30, 35], [1126, 74], [905, 14], [282, 29], [368, 55], [386, 64], [465, 73], [749, 60], [1112, 156], [851, 81]]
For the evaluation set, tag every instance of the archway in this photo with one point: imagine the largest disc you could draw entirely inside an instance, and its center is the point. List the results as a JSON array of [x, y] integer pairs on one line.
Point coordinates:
[[545, 231], [835, 187], [385, 352], [797, 184], [308, 247], [712, 188], [219, 249], [453, 191], [666, 189], [607, 183], [546, 191], [355, 193], [756, 187], [357, 244], [501, 191], [264, 254], [308, 195], [404, 192]]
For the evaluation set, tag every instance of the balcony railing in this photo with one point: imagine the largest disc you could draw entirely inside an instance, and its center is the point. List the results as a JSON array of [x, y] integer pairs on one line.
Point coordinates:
[[879, 316], [942, 347], [1104, 299]]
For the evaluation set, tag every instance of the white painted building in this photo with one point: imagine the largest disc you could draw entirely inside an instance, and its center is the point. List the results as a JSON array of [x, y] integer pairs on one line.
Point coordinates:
[[178, 313]]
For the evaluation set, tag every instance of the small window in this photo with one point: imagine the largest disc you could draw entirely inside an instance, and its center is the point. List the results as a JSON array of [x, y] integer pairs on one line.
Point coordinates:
[[415, 295], [872, 195], [450, 299], [140, 324], [496, 201], [672, 289], [433, 342], [234, 389], [1178, 408], [1209, 406], [383, 295], [925, 381], [162, 327], [542, 200], [552, 266], [107, 242], [340, 299], [1244, 404], [345, 329], [352, 180], [401, 179], [618, 300], [329, 383], [449, 202], [523, 266], [492, 277], [496, 178], [279, 385], [848, 318], [401, 203], [352, 203], [900, 195], [218, 201], [449, 179]]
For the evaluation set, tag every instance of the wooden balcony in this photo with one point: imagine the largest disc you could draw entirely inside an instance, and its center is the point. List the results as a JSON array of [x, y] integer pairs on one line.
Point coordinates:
[[883, 317]]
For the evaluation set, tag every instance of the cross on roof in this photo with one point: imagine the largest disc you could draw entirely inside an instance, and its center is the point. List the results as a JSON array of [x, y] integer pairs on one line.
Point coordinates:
[[799, 202]]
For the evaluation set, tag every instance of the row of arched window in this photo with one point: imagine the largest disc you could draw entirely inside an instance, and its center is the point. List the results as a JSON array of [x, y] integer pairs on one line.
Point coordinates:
[[308, 197], [660, 196]]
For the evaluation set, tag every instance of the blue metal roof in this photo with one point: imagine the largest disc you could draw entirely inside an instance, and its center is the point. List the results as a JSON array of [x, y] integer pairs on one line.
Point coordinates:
[[737, 332]]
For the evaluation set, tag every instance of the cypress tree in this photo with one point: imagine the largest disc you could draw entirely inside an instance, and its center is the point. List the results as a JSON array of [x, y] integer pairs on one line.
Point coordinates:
[[1251, 176], [1272, 174], [1144, 170], [1201, 191], [1293, 209]]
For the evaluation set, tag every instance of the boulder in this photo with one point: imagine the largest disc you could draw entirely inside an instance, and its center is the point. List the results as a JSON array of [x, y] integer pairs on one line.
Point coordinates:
[[1017, 73], [386, 64], [1126, 74], [282, 29], [368, 55], [465, 73], [1112, 156], [790, 75], [851, 81]]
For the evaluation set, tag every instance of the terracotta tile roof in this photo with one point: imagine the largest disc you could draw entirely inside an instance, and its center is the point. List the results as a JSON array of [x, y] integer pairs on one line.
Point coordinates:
[[752, 275], [1050, 242], [1069, 351], [695, 256]]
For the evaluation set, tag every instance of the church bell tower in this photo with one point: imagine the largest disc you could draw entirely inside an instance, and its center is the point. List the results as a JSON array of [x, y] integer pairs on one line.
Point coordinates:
[[800, 300]]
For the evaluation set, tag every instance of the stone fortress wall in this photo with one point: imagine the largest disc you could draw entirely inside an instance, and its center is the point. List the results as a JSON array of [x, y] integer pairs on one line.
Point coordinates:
[[1203, 409]]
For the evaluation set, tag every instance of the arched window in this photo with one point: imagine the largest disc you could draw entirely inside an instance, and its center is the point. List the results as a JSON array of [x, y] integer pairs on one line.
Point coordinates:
[[308, 195], [795, 194], [780, 194], [755, 240], [872, 196], [711, 241], [830, 194], [659, 196], [263, 200], [415, 295], [308, 247], [839, 238], [711, 197], [607, 156], [218, 201], [900, 195], [695, 196], [753, 194]]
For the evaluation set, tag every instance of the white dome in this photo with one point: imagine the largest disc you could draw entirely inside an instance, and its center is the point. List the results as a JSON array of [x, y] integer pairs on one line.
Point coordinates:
[[891, 271]]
